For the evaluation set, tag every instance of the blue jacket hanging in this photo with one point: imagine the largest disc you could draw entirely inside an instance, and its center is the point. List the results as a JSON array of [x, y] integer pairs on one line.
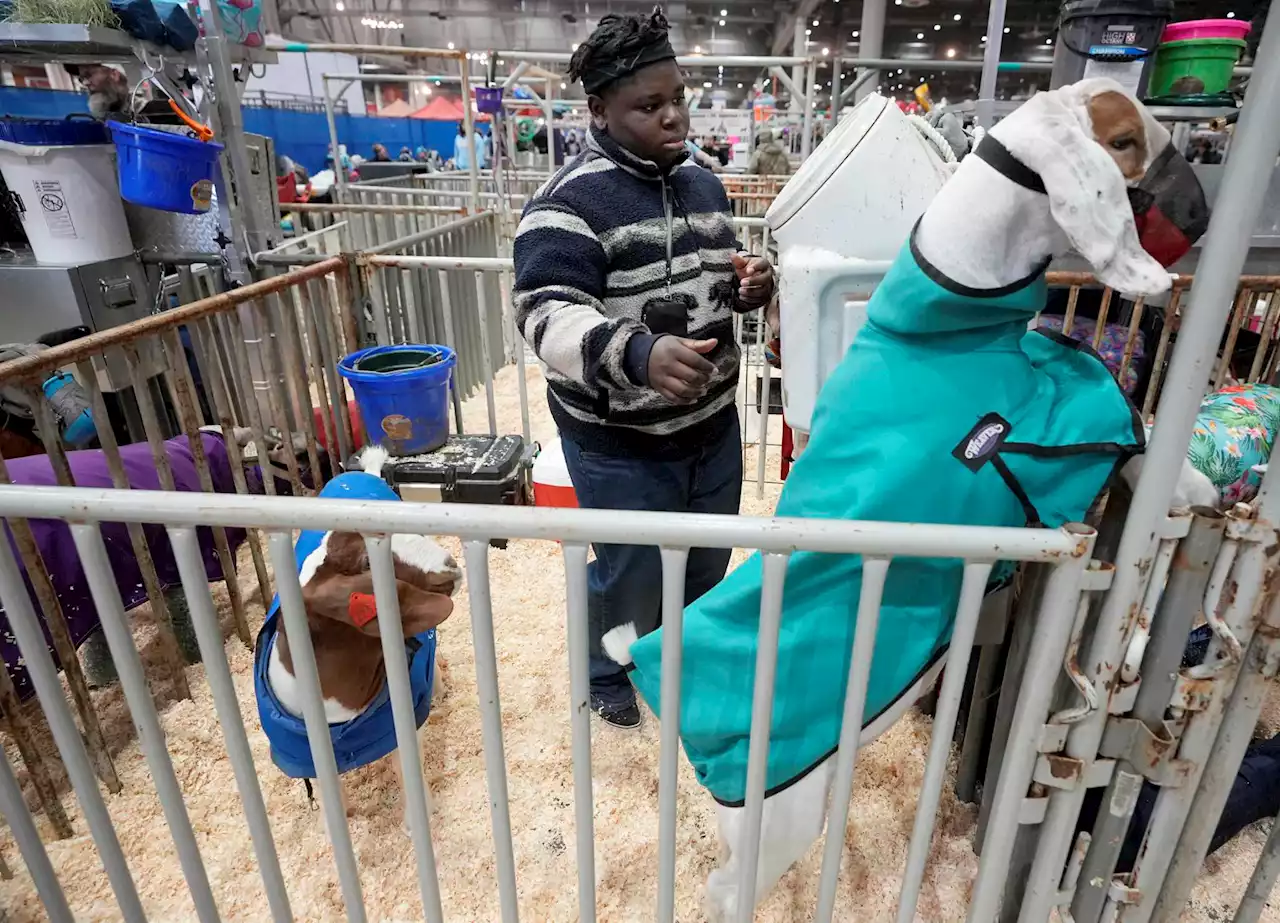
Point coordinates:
[[944, 410], [371, 734]]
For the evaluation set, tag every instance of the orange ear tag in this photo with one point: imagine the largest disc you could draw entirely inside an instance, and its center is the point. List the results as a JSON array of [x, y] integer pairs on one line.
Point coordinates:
[[363, 608]]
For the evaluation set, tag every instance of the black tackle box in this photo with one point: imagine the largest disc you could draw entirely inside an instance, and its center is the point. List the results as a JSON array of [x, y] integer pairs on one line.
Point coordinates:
[[467, 469]]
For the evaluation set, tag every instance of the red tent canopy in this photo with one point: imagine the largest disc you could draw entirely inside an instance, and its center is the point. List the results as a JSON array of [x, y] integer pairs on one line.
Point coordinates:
[[446, 109]]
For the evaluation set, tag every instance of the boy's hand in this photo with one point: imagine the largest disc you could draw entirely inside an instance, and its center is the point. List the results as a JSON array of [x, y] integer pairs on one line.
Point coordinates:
[[677, 369], [755, 279]]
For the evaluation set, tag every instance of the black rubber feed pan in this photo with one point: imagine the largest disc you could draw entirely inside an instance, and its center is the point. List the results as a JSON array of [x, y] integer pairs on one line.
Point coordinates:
[[402, 360]]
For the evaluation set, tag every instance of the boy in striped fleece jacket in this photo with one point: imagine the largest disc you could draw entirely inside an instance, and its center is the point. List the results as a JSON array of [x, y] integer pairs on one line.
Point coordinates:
[[627, 277]]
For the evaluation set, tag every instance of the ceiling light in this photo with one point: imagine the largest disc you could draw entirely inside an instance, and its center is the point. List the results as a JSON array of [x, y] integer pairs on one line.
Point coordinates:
[[808, 32], [697, 49], [724, 12], [739, 86], [956, 17], [1048, 41], [707, 84], [815, 22], [564, 86], [937, 28], [1231, 15], [826, 51], [951, 52], [339, 6], [451, 49], [855, 33], [919, 35], [984, 38], [1006, 30], [575, 46], [722, 22], [816, 87], [899, 70]]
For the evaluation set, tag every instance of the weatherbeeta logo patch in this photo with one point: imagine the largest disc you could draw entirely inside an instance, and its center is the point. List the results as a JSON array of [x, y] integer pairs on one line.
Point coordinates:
[[982, 442]]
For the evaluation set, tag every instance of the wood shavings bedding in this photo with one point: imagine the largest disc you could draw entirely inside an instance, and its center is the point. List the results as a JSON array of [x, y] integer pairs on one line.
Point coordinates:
[[528, 595]]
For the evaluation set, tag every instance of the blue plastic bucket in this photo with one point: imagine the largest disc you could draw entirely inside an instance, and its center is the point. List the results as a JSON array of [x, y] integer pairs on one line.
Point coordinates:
[[403, 394], [162, 170]]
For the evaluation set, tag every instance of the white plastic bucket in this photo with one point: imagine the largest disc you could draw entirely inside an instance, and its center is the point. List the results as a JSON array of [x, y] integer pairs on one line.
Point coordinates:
[[68, 198]]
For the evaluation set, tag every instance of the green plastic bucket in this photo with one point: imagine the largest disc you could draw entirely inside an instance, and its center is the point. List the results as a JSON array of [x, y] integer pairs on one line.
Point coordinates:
[[1194, 66]]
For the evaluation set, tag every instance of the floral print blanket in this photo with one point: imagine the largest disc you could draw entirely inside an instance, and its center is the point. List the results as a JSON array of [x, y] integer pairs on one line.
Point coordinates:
[[1110, 349], [1234, 431]]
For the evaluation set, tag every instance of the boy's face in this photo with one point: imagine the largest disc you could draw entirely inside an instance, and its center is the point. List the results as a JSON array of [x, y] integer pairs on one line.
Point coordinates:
[[646, 113]]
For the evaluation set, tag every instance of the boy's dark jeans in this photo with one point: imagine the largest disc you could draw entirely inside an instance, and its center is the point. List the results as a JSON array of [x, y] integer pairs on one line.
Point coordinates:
[[625, 581]]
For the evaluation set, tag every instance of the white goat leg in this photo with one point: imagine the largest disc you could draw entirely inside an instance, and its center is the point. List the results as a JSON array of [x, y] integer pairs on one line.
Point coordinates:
[[1193, 487], [790, 824]]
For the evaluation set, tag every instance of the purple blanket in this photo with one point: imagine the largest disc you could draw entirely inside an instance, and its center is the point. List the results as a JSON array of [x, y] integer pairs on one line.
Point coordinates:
[[53, 537]]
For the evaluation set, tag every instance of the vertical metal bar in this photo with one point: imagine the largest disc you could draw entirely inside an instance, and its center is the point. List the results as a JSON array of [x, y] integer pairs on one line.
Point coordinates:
[[55, 621], [1157, 364], [275, 404], [294, 613], [674, 565], [870, 44], [495, 761], [486, 359], [391, 631], [810, 100], [328, 416], [1132, 339], [329, 338], [1244, 300], [972, 588], [469, 122], [521, 381], [451, 341], [575, 571], [204, 619], [764, 381], [44, 677], [137, 538], [184, 397], [1266, 334], [990, 64], [14, 808], [215, 386], [115, 625], [1263, 880], [19, 728], [748, 848], [1056, 618], [1101, 324], [228, 343], [874, 571], [296, 376]]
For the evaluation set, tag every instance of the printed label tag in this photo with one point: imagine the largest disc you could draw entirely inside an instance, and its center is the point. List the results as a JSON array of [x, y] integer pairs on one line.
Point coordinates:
[[53, 204], [202, 194], [363, 609], [982, 442]]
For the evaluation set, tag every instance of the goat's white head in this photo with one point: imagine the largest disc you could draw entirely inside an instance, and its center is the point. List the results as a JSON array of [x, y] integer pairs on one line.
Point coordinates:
[[337, 584], [1089, 142]]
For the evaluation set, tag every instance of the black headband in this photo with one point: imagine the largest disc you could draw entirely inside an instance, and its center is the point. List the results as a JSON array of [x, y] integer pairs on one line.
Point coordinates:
[[598, 76]]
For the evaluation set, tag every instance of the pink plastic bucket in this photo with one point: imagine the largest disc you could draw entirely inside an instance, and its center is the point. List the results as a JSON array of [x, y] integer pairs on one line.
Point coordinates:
[[1204, 28]]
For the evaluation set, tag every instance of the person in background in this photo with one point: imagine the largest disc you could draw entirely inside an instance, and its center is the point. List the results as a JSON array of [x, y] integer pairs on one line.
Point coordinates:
[[406, 155], [462, 150], [769, 157], [380, 154], [627, 280], [699, 156]]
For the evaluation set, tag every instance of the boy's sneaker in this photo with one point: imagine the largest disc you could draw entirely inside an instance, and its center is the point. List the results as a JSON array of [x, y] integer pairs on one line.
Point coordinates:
[[621, 714]]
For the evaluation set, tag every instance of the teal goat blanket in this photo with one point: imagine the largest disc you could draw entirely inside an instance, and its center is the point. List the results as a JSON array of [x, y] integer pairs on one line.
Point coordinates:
[[945, 409]]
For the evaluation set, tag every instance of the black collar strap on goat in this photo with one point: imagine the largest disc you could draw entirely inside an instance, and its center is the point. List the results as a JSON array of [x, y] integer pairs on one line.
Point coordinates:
[[997, 156]]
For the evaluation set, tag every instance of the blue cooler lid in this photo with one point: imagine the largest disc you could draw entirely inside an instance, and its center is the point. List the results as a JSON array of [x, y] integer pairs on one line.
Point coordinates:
[[53, 132]]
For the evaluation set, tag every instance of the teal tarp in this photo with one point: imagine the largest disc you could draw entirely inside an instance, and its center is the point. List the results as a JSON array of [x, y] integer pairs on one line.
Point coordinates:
[[920, 382]]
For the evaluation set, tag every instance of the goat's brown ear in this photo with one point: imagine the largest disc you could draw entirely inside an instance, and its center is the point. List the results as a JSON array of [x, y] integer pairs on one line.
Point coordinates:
[[351, 600]]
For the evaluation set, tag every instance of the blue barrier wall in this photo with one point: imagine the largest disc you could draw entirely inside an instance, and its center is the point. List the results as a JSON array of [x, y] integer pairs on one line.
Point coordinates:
[[301, 136]]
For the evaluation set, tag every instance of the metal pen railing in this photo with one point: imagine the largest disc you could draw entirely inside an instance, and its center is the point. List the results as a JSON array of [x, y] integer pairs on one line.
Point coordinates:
[[1065, 551]]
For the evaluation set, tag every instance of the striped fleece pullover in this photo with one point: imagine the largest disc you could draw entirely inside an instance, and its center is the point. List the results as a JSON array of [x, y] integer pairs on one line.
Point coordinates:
[[590, 253]]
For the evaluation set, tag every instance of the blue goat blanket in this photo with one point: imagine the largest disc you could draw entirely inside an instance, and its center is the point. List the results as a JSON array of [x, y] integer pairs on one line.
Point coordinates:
[[370, 735], [945, 409]]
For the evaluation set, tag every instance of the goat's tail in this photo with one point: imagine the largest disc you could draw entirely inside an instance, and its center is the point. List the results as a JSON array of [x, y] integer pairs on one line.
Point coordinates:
[[617, 643], [372, 459]]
